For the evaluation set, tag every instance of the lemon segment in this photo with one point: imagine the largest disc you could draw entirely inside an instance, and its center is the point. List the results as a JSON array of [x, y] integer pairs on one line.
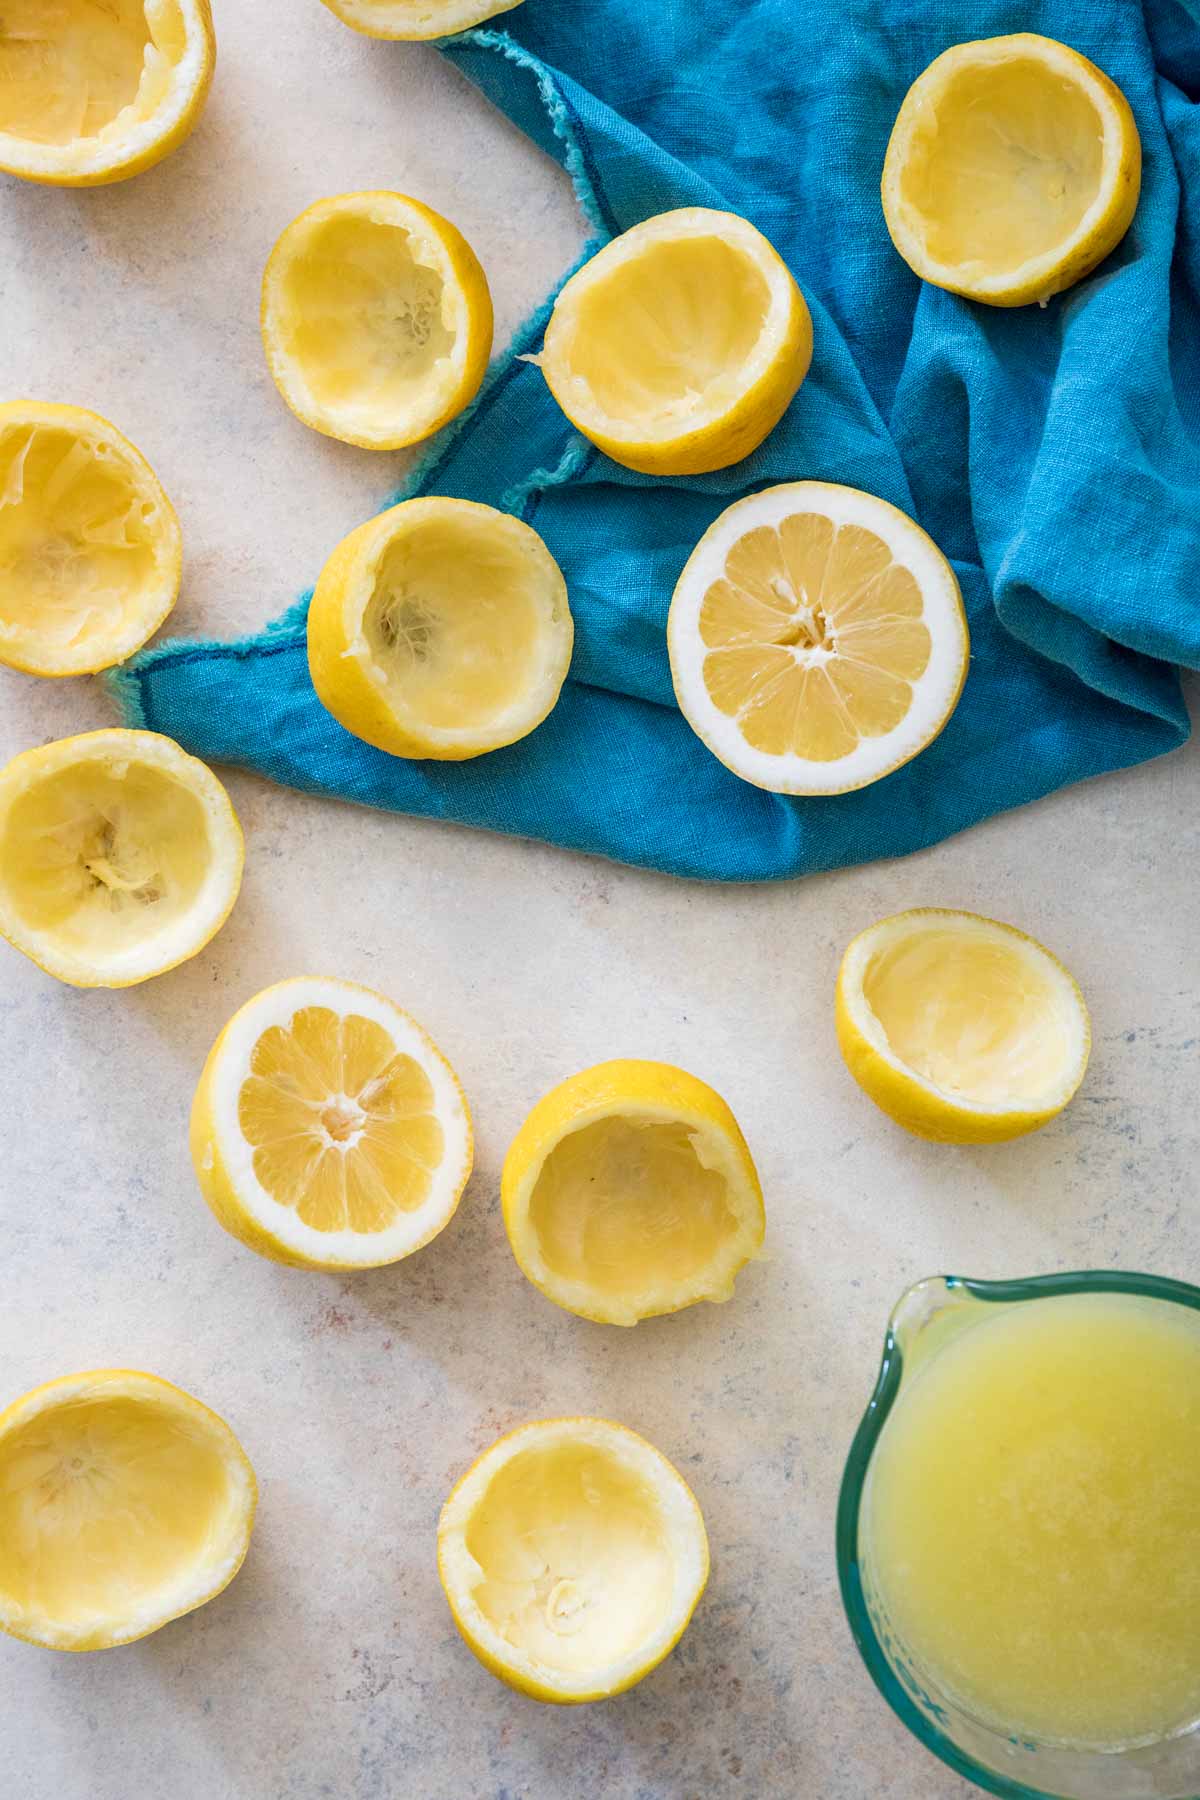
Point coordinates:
[[94, 93], [961, 1029], [90, 548], [415, 18], [572, 1554], [629, 1191], [440, 629], [328, 1131], [376, 319], [1013, 169], [124, 1503], [817, 638], [120, 856], [680, 345]]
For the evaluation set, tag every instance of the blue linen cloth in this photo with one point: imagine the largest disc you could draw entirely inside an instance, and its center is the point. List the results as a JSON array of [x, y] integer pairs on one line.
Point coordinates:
[[1054, 453]]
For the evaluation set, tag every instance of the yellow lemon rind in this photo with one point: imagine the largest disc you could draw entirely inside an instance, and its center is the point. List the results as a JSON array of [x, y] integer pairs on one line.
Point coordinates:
[[730, 435], [54, 165], [91, 427], [125, 1382], [117, 744], [651, 1091], [263, 1224], [907, 1098], [1102, 228], [463, 275], [405, 20], [455, 1562], [340, 662], [792, 774]]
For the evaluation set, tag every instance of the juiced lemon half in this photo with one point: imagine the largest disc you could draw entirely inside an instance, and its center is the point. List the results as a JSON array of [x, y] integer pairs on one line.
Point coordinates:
[[328, 1131], [376, 319], [960, 1028], [416, 18], [124, 1504], [1014, 167], [96, 90], [817, 638], [629, 1191], [440, 629], [120, 856], [90, 547], [573, 1555], [680, 345]]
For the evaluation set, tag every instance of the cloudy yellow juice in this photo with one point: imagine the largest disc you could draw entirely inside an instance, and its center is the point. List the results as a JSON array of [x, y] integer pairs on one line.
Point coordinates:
[[1032, 1518]]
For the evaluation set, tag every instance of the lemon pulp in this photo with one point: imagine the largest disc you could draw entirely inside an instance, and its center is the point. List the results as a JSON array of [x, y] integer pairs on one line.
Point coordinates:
[[630, 1205], [68, 70], [1003, 163], [88, 546], [814, 637], [977, 1015], [363, 314], [343, 1126], [101, 856], [1032, 1519], [574, 1558]]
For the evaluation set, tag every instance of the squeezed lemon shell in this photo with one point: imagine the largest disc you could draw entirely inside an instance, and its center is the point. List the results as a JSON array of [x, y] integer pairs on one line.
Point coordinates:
[[914, 1103], [407, 21], [449, 1527], [123, 1383], [1052, 275]]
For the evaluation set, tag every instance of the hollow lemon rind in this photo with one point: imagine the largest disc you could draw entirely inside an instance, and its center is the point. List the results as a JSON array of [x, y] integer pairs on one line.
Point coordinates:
[[226, 1177], [455, 1562], [168, 547], [133, 1383], [874, 758], [653, 1092], [1103, 225], [778, 368], [65, 165], [458, 15], [463, 275], [909, 1099], [340, 661], [116, 743]]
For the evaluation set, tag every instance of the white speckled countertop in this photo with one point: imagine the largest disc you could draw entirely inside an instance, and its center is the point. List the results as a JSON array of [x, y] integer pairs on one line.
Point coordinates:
[[330, 1670]]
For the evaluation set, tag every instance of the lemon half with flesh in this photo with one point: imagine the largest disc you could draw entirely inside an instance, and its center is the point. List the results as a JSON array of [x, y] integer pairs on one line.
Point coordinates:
[[680, 345], [961, 1029], [817, 638], [416, 18], [92, 92], [328, 1131], [376, 319], [573, 1555], [120, 856], [1014, 167], [90, 547], [440, 629], [124, 1503], [629, 1191]]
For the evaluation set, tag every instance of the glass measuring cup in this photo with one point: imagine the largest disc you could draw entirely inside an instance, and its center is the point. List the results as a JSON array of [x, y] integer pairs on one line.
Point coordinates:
[[926, 1318]]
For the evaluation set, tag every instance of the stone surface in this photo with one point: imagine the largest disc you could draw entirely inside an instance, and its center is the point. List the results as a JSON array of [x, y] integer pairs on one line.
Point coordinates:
[[330, 1670]]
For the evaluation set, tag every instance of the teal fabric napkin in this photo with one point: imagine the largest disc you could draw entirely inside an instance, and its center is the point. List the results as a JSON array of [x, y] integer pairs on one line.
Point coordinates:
[[1053, 453]]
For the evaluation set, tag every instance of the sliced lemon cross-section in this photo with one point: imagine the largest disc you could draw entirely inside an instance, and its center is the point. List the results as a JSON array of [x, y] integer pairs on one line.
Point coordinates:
[[376, 319], [961, 1029], [573, 1555], [629, 1191], [817, 638], [680, 345], [90, 547], [416, 18], [440, 629], [328, 1131], [124, 1503], [1014, 167]]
